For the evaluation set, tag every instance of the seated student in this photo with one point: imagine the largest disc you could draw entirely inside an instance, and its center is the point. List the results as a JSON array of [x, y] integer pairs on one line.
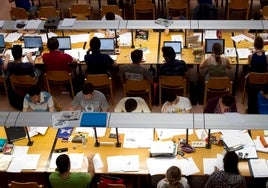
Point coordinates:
[[132, 104], [62, 177], [90, 100], [172, 66], [217, 66], [97, 62], [111, 16], [263, 100], [17, 67], [205, 10], [175, 15], [27, 6], [226, 103], [176, 104], [37, 100], [258, 60], [55, 60], [135, 71], [230, 176], [173, 179]]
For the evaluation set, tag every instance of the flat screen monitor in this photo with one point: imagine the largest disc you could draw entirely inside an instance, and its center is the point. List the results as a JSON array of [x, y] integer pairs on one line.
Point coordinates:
[[64, 43], [33, 42], [176, 45], [209, 43], [107, 44]]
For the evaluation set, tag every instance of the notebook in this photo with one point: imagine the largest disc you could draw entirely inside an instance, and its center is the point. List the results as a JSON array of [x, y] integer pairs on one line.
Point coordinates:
[[64, 43], [33, 42], [107, 46], [2, 44], [176, 45]]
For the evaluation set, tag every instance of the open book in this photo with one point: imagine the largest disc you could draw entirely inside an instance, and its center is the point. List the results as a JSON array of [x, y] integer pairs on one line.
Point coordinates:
[[69, 115]]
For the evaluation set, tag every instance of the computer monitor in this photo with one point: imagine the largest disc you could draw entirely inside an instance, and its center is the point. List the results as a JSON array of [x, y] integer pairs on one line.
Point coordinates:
[[209, 43], [107, 44], [176, 45], [33, 42], [2, 41], [15, 133], [64, 43]]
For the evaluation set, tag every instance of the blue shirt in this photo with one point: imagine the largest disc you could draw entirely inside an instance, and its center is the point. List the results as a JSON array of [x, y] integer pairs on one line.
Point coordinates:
[[262, 103], [23, 4]]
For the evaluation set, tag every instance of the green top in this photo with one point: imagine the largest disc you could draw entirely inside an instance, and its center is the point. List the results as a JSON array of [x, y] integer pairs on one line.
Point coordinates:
[[76, 179]]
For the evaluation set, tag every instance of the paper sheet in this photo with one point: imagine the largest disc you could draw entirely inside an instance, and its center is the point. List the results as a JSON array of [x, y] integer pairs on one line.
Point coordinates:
[[258, 167], [123, 163]]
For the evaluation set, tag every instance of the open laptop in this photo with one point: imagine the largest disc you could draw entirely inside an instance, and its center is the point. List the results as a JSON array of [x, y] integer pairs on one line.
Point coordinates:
[[2, 44], [209, 43], [176, 45], [64, 43], [107, 46], [34, 42]]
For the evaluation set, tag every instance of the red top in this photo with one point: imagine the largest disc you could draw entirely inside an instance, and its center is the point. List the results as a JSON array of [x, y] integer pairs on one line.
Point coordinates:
[[56, 60]]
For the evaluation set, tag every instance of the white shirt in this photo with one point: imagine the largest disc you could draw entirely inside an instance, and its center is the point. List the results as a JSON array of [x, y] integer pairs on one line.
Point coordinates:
[[183, 105]]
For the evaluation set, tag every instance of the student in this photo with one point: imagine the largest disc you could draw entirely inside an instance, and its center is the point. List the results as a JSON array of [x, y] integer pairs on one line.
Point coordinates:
[[62, 177], [230, 176], [175, 15], [258, 60], [205, 10], [17, 67], [226, 103], [263, 100], [172, 66], [176, 104], [173, 179], [90, 100], [111, 16], [27, 6], [135, 71], [55, 60], [97, 62], [37, 100], [132, 104], [217, 65]]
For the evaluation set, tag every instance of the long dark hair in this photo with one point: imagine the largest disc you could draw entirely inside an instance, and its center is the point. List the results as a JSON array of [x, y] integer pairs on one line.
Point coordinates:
[[217, 51], [230, 163]]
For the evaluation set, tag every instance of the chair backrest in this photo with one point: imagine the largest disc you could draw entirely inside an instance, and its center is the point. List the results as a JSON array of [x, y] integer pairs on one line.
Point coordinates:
[[143, 6], [100, 185], [23, 81], [81, 10], [17, 13], [14, 184], [264, 12], [57, 105], [101, 81], [137, 87], [47, 11], [254, 78], [218, 86], [171, 82], [238, 5], [3, 81], [181, 5], [111, 8]]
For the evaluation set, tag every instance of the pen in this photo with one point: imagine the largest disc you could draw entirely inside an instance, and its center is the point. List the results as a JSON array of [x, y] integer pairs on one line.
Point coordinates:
[[185, 158]]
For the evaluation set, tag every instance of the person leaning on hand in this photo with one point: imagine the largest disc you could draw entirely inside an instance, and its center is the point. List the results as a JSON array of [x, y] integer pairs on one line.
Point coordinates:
[[63, 178]]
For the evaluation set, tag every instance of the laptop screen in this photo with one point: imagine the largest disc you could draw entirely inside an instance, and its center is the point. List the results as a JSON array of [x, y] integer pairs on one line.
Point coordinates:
[[176, 45], [209, 43], [2, 41], [33, 42], [107, 44], [64, 43]]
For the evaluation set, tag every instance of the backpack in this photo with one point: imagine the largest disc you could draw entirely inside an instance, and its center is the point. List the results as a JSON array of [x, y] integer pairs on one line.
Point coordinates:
[[106, 180]]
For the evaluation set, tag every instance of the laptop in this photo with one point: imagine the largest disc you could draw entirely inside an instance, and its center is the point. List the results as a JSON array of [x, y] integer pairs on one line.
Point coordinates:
[[209, 43], [107, 46], [176, 45], [2, 44], [64, 43], [34, 42], [15, 133]]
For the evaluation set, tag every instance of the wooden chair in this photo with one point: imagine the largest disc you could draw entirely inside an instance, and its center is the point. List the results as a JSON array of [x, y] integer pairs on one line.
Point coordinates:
[[100, 185], [3, 82], [81, 10], [14, 184], [58, 78], [178, 5], [101, 82], [111, 8], [45, 12], [22, 82], [17, 13], [217, 86], [264, 12], [171, 83], [137, 87], [254, 78], [144, 7], [241, 6], [57, 105]]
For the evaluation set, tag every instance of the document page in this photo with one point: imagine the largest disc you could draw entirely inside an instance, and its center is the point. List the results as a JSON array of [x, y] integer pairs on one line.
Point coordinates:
[[258, 168]]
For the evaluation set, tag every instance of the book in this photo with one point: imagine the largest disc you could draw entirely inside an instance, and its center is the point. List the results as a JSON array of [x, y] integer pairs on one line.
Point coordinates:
[[142, 34], [69, 115], [164, 22], [258, 168], [65, 133], [2, 143], [93, 119], [5, 161], [8, 149]]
